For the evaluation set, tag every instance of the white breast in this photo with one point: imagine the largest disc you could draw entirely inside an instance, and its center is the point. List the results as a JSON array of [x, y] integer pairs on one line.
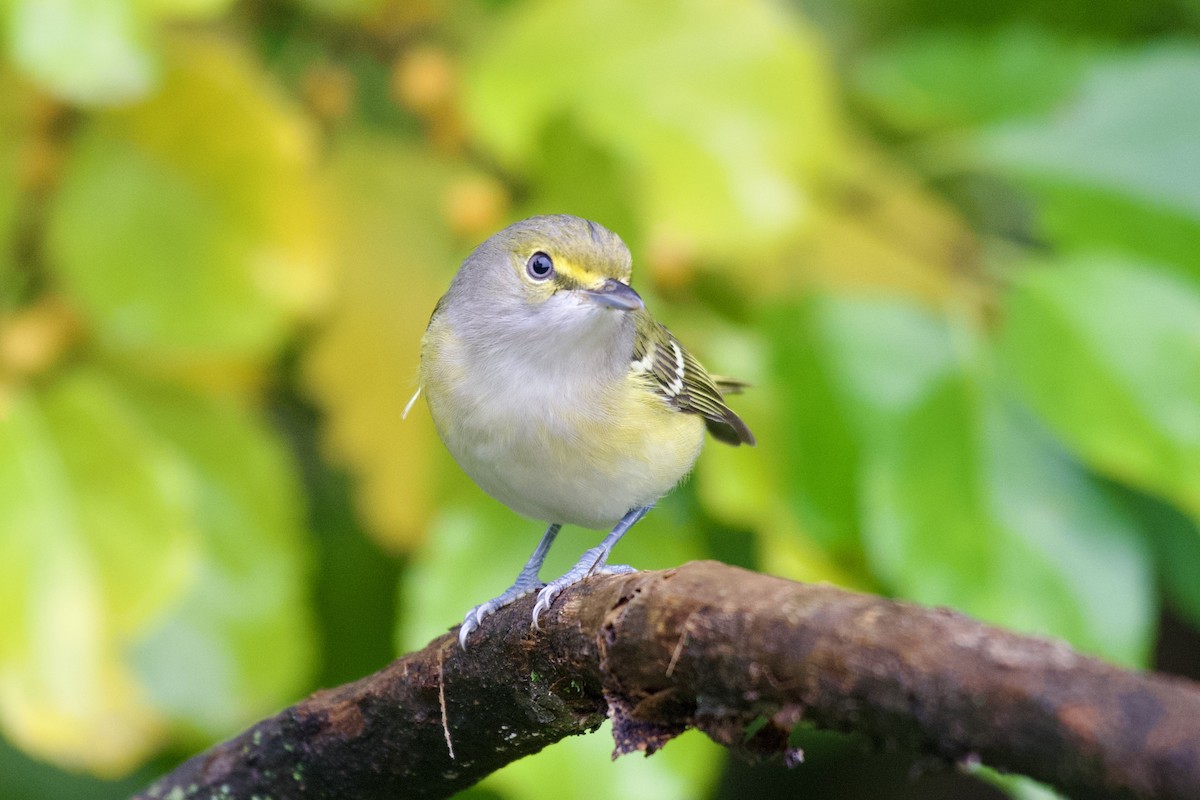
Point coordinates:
[[546, 431]]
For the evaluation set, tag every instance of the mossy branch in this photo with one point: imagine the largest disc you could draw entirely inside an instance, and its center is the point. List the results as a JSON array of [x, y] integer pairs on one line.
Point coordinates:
[[729, 652]]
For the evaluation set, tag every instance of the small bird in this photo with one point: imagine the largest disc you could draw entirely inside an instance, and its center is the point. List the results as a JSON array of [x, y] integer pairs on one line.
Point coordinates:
[[558, 393]]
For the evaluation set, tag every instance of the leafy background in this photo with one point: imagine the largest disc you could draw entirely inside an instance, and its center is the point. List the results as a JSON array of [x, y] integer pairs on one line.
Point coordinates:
[[953, 246]]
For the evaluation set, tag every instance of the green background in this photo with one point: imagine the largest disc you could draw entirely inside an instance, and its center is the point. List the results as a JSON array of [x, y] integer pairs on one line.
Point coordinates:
[[953, 248]]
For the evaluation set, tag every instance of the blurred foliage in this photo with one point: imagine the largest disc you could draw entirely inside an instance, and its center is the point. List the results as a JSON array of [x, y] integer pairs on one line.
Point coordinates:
[[951, 246]]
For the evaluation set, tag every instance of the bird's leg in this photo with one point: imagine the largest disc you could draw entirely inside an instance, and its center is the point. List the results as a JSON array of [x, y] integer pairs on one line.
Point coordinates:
[[526, 582], [594, 562]]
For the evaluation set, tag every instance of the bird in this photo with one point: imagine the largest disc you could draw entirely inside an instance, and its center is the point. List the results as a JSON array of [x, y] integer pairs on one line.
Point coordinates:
[[560, 395]]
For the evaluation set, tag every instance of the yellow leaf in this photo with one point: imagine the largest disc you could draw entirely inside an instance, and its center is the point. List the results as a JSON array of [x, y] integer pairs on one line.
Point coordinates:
[[68, 698], [95, 543], [95, 52], [786, 551], [239, 642], [874, 227], [211, 245], [397, 256], [722, 108], [726, 114]]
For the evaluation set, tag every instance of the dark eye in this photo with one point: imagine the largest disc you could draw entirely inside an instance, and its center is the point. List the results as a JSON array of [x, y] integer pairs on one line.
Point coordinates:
[[539, 266]]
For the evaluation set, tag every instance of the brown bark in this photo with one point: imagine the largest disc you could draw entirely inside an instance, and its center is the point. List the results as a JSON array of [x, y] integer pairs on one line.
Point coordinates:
[[741, 656]]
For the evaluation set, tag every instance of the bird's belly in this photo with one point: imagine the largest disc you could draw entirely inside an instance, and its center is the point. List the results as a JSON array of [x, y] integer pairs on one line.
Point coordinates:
[[569, 468]]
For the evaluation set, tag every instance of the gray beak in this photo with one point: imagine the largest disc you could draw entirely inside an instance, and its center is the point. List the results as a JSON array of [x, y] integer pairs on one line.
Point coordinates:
[[615, 294]]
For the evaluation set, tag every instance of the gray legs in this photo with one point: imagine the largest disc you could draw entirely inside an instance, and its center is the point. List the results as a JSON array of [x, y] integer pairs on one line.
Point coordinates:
[[527, 581], [594, 562]]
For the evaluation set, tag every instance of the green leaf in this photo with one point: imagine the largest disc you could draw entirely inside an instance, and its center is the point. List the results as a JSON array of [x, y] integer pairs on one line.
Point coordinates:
[[151, 570], [720, 108], [1131, 128], [209, 246], [740, 486], [848, 366], [83, 471], [477, 546], [240, 643], [944, 79], [1018, 787], [1083, 219], [94, 51], [84, 51], [972, 505], [96, 540], [1117, 166], [1175, 540], [1108, 352], [823, 453], [885, 354], [580, 768], [573, 172]]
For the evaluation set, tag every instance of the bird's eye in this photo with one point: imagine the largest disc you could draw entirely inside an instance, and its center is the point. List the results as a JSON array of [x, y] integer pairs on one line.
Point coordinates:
[[539, 266]]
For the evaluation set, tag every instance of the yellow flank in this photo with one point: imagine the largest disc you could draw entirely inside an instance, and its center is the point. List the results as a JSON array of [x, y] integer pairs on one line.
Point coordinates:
[[590, 468], [551, 454], [642, 445]]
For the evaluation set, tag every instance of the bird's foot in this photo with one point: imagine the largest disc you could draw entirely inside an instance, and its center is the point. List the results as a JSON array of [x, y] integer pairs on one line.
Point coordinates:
[[475, 617], [592, 563]]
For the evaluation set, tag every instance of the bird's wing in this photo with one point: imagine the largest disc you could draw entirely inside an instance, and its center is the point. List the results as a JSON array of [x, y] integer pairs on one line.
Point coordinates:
[[678, 378]]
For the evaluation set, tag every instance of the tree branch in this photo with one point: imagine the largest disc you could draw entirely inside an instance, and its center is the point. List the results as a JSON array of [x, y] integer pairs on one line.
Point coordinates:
[[741, 656]]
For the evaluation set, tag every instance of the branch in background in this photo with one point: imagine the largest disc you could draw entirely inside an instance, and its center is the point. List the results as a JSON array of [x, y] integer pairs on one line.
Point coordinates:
[[741, 656]]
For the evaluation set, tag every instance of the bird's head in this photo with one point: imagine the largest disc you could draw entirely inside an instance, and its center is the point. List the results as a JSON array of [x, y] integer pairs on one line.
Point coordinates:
[[560, 271]]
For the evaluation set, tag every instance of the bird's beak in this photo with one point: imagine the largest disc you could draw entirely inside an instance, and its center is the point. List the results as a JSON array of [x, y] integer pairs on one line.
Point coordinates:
[[614, 294]]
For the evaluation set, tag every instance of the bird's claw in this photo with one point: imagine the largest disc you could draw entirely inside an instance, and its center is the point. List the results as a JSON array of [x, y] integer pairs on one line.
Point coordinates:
[[479, 613], [552, 590], [474, 619], [545, 599]]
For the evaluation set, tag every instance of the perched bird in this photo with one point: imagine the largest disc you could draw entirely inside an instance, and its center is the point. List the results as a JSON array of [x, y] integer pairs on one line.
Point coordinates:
[[559, 394]]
